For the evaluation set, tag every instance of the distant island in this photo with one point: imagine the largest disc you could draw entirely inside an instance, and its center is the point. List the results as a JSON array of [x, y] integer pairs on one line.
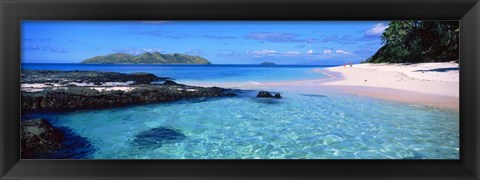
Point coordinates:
[[267, 63], [146, 58]]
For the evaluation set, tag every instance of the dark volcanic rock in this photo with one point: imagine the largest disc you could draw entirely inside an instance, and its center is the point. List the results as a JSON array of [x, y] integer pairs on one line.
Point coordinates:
[[55, 99], [63, 77], [156, 137], [169, 82], [265, 94], [75, 98], [38, 136], [144, 78], [39, 140]]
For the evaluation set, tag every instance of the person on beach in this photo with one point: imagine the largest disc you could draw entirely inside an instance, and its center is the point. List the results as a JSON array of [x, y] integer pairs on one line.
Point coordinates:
[[350, 64], [344, 65]]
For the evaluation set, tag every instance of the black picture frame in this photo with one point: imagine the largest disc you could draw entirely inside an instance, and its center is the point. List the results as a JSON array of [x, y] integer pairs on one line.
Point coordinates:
[[466, 11]]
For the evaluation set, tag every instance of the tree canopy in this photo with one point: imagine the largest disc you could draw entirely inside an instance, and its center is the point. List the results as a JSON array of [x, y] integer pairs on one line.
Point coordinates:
[[418, 41]]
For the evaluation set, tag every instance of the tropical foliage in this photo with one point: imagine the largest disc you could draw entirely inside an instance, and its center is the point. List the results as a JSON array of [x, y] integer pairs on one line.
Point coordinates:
[[418, 41]]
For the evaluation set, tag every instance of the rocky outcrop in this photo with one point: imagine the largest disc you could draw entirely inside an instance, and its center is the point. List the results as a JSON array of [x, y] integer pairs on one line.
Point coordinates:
[[65, 96], [266, 94], [38, 136], [75, 98], [169, 82], [40, 140], [65, 77]]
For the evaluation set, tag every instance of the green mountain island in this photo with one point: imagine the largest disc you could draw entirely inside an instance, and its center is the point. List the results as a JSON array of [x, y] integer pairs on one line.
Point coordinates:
[[146, 58]]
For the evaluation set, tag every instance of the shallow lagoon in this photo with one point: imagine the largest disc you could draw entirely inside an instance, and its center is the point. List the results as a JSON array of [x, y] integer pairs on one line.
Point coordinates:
[[305, 126], [297, 126]]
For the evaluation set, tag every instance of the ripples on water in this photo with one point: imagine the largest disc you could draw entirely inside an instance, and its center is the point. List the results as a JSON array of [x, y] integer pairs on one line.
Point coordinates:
[[301, 126], [305, 126]]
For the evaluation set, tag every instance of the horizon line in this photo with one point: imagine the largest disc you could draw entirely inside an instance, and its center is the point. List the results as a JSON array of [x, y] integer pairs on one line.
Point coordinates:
[[184, 64]]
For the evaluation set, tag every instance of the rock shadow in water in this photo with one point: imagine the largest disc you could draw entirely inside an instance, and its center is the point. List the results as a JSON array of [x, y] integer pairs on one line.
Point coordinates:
[[156, 137], [73, 146], [314, 95], [267, 101]]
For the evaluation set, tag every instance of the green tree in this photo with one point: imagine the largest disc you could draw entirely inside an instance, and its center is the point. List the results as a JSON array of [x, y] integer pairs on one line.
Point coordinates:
[[418, 41]]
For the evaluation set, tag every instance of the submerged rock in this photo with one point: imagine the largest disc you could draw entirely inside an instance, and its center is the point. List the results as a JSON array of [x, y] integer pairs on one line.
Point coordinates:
[[266, 94], [40, 140], [38, 136], [269, 101], [73, 147], [156, 137], [230, 94]]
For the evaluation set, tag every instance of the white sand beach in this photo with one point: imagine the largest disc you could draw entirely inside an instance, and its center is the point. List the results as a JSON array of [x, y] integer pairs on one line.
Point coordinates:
[[434, 84], [430, 78]]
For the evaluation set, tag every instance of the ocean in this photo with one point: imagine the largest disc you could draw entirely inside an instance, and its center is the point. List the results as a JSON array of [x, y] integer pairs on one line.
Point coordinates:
[[330, 125], [200, 73]]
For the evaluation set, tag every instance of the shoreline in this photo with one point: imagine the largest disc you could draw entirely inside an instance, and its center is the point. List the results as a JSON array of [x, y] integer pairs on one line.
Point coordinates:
[[433, 84], [395, 82], [438, 101], [428, 78], [43, 90]]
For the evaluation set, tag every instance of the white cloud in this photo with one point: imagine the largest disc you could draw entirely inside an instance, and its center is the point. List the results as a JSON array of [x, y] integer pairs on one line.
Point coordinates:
[[327, 51], [151, 49], [265, 52], [262, 53], [291, 53], [377, 29], [338, 51], [310, 52]]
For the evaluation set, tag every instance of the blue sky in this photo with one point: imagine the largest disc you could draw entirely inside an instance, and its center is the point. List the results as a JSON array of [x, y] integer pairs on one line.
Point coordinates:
[[221, 42]]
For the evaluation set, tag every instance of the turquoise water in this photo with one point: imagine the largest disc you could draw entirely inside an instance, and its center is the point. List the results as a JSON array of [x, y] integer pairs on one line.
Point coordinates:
[[298, 126], [199, 73]]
